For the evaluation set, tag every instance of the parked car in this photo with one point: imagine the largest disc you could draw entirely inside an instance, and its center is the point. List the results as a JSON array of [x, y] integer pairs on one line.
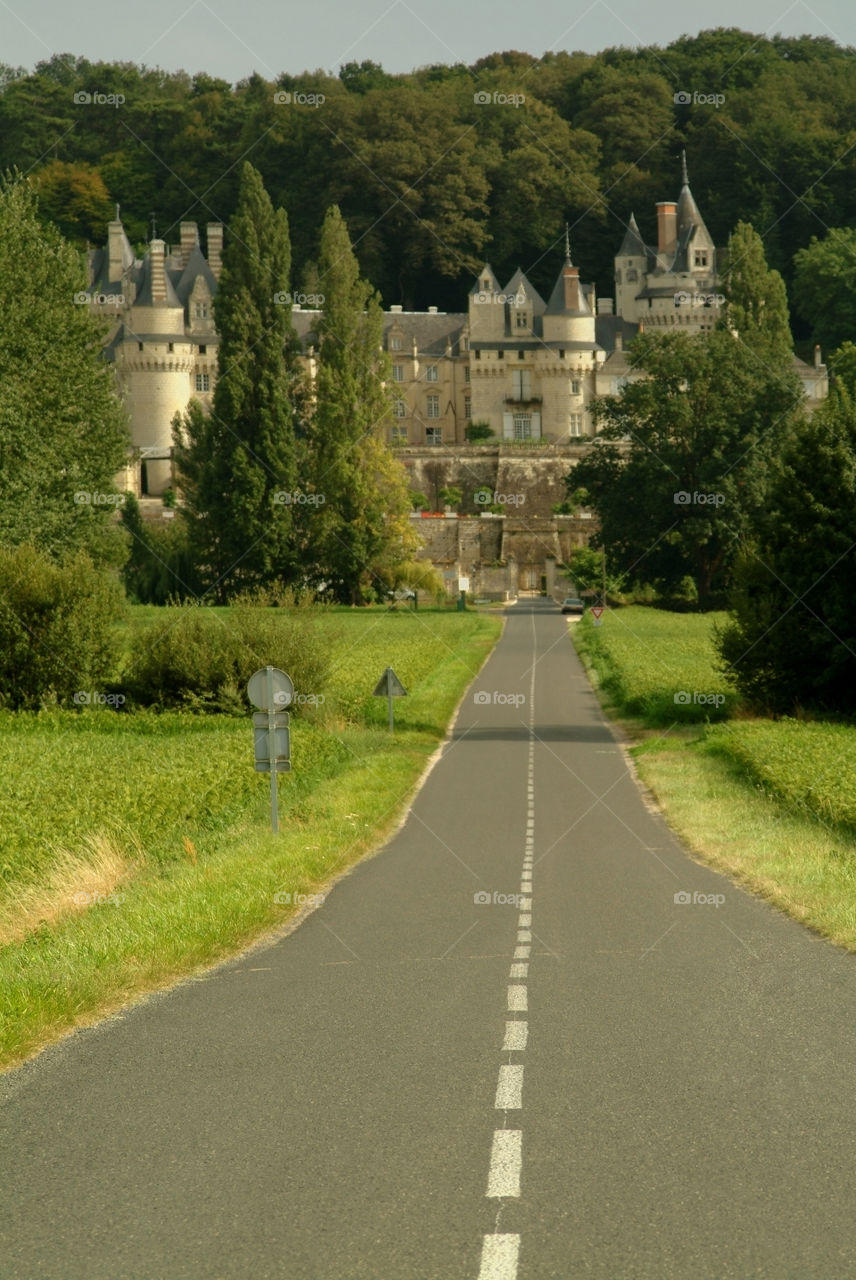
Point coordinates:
[[572, 604]]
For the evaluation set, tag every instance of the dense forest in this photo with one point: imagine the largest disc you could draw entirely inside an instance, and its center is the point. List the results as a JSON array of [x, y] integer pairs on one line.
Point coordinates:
[[436, 170]]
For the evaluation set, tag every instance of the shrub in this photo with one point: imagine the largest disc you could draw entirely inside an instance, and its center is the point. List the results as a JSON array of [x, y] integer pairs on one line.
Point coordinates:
[[479, 431], [196, 658], [58, 636]]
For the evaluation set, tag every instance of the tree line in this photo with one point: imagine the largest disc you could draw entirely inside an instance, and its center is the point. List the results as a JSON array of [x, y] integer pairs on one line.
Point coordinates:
[[432, 170]]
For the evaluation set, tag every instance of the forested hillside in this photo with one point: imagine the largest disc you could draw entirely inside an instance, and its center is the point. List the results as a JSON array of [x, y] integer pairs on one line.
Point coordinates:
[[431, 181]]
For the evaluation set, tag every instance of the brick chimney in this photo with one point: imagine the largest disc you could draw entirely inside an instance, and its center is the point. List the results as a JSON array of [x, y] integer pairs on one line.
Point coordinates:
[[189, 241], [215, 248], [571, 282], [667, 226], [157, 267]]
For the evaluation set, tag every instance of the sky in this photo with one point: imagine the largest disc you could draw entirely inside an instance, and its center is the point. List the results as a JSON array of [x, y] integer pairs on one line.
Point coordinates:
[[231, 39]]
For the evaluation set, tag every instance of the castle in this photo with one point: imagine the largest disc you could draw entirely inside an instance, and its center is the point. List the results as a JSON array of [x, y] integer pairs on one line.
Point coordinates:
[[524, 368]]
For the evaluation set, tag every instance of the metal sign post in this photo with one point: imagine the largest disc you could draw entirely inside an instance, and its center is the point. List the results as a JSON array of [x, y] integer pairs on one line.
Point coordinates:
[[389, 686], [271, 690]]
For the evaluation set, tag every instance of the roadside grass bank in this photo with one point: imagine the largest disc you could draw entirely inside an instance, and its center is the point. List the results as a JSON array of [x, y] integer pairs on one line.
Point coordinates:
[[136, 848], [771, 803]]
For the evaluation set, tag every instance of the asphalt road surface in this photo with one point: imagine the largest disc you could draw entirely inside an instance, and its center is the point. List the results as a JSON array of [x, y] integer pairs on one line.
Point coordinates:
[[577, 1077]]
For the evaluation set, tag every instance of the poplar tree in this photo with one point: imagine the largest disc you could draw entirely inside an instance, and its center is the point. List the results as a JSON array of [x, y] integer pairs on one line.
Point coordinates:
[[238, 464], [756, 299], [361, 527]]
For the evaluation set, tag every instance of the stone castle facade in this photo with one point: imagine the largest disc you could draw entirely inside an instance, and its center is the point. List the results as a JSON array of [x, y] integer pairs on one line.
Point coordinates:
[[526, 368]]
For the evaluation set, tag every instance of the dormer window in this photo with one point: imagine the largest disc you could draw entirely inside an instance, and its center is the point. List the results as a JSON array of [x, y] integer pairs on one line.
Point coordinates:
[[395, 344], [521, 319], [486, 286], [200, 310], [700, 257]]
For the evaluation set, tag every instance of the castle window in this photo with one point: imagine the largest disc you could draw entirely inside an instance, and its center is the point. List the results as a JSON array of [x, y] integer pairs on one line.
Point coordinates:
[[477, 355], [433, 406], [201, 310], [465, 344], [575, 387], [468, 407], [139, 346], [466, 373], [395, 344], [561, 355], [398, 435], [398, 372], [485, 286], [575, 424], [203, 350], [431, 374], [700, 258], [521, 319], [203, 382], [520, 381], [632, 276], [170, 346], [400, 409], [520, 355], [500, 355], [433, 435], [522, 423]]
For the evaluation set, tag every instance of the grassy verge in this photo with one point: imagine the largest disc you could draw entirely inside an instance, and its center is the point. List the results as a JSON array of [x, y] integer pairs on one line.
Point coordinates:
[[769, 803], [128, 905]]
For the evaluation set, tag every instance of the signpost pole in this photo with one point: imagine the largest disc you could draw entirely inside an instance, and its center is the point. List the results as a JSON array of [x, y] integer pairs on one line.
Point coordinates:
[[389, 699], [274, 805]]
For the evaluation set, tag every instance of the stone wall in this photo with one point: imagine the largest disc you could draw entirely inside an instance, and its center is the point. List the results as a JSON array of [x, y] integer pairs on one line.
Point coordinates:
[[530, 478]]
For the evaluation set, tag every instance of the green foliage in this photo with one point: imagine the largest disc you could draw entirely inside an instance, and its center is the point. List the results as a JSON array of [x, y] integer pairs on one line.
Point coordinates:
[[195, 658], [418, 500], [824, 286], [791, 639], [161, 566], [757, 304], [809, 766], [63, 431], [58, 640], [238, 465], [479, 431], [451, 496], [842, 366], [657, 665], [680, 470], [75, 199]]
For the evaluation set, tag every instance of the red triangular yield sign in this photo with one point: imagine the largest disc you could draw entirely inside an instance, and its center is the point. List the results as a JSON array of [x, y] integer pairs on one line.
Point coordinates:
[[596, 609]]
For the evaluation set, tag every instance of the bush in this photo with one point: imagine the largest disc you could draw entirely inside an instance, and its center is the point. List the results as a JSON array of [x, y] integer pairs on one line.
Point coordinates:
[[479, 431], [193, 657], [58, 636]]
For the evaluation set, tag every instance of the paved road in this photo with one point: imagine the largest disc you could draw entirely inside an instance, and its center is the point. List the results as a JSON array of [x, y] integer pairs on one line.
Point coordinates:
[[593, 1081]]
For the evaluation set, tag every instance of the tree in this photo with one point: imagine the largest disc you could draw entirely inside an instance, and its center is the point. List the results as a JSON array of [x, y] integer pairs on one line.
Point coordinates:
[[680, 469], [63, 430], [238, 465], [362, 522], [75, 198], [791, 638], [825, 285], [756, 299], [161, 566]]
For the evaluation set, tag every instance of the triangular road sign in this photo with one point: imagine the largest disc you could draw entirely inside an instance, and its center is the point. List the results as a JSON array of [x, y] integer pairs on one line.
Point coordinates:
[[596, 610], [389, 686]]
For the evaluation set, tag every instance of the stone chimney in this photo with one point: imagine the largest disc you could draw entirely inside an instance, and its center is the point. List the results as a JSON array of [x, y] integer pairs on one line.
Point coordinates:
[[189, 241], [115, 243], [157, 267], [215, 248], [667, 226], [817, 360], [604, 306]]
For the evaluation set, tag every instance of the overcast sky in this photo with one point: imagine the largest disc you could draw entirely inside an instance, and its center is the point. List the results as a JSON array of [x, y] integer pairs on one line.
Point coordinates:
[[231, 39]]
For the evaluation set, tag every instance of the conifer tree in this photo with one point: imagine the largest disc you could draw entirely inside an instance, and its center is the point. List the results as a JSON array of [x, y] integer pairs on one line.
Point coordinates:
[[361, 526], [238, 464], [756, 299]]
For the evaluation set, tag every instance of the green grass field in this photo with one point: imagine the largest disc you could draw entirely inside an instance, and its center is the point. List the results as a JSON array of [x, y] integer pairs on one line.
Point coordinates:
[[771, 803], [656, 665], [137, 847]]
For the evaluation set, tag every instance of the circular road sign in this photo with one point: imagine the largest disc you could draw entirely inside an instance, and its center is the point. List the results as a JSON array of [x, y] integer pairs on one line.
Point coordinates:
[[270, 689]]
